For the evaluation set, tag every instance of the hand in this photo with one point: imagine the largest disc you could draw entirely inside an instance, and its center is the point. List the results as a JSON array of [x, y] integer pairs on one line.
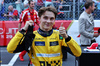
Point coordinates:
[[30, 22], [96, 34], [5, 15], [63, 31]]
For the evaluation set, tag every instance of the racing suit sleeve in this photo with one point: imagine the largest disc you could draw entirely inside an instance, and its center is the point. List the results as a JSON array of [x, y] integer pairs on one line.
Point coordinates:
[[15, 42], [73, 45], [21, 41]]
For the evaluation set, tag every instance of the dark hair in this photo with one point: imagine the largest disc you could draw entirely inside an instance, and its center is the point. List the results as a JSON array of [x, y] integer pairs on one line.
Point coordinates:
[[88, 3], [30, 1], [44, 9]]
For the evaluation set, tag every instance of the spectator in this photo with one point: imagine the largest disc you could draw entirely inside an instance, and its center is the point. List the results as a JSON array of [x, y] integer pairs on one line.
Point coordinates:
[[25, 3], [12, 13], [1, 8], [19, 5], [9, 2], [1, 4]]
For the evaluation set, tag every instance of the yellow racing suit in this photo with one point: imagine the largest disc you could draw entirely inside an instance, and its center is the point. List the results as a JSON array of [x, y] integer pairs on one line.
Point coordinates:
[[45, 51]]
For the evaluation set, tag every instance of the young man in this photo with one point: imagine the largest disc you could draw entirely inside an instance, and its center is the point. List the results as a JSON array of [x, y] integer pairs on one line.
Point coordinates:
[[26, 15], [44, 47], [86, 25]]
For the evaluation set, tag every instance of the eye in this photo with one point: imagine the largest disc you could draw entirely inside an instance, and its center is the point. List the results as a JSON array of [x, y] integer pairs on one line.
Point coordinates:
[[52, 18], [45, 17]]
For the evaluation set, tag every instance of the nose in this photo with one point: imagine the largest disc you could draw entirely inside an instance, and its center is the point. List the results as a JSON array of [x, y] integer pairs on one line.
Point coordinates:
[[48, 20], [33, 5]]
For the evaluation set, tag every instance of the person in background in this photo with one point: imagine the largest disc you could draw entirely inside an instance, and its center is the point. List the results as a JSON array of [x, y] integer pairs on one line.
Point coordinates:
[[19, 5], [44, 45], [1, 8], [1, 4], [26, 15], [26, 5], [9, 2], [86, 25], [12, 13]]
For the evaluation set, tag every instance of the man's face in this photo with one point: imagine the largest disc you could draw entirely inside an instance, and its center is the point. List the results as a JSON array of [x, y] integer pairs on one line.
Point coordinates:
[[31, 5], [93, 7], [10, 8], [47, 21]]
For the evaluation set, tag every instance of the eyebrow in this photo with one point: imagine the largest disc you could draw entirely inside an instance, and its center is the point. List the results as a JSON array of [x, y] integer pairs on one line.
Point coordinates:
[[50, 17]]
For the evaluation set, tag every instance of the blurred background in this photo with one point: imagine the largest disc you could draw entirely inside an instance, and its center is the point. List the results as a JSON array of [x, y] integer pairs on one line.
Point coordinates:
[[67, 9]]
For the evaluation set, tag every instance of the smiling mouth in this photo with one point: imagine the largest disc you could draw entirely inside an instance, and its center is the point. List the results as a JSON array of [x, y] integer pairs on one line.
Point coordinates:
[[47, 24]]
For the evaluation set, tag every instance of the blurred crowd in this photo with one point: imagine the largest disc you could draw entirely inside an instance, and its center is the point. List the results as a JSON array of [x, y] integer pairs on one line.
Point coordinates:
[[10, 9]]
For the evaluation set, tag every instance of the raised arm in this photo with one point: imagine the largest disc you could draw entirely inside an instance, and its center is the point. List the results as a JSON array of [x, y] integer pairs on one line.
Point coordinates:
[[71, 43], [19, 42]]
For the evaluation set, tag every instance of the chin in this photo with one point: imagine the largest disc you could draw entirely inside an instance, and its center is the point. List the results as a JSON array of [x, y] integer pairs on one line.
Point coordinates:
[[47, 29]]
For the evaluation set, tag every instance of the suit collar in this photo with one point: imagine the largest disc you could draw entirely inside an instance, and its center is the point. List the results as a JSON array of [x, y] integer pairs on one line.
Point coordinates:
[[87, 17], [45, 33]]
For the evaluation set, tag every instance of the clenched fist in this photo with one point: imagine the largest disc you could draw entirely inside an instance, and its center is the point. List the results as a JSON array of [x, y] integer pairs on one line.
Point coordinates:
[[63, 31], [30, 22]]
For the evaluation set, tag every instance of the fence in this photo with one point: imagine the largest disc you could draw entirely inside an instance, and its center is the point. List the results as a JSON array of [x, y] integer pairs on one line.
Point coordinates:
[[71, 10]]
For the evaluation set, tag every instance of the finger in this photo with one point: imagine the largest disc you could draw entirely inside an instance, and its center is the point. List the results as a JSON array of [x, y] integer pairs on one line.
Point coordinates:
[[61, 24], [61, 28], [30, 24], [62, 32], [31, 20]]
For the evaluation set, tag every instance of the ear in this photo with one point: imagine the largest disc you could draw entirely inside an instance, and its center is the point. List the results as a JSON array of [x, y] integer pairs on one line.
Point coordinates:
[[90, 6]]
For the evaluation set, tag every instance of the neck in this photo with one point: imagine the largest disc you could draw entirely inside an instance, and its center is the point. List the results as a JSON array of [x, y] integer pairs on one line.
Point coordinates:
[[44, 33], [88, 11], [45, 29], [30, 9]]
